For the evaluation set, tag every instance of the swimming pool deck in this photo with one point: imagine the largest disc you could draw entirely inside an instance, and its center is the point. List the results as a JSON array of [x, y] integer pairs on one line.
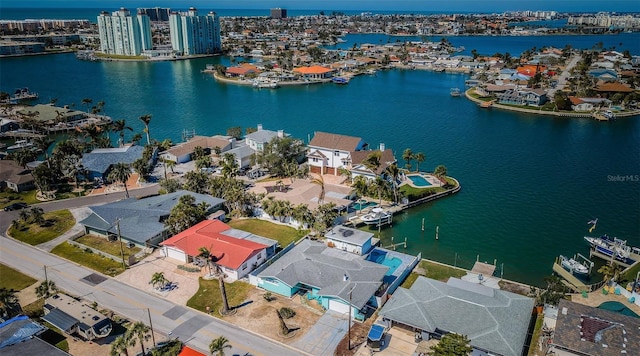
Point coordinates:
[[433, 180]]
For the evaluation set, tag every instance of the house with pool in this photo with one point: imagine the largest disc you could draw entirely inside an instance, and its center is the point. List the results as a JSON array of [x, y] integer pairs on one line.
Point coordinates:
[[337, 274]]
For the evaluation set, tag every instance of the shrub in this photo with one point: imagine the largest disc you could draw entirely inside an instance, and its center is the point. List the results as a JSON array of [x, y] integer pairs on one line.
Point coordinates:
[[287, 313], [268, 297], [88, 250]]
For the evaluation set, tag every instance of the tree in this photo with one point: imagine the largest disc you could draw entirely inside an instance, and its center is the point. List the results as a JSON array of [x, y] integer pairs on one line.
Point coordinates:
[[22, 157], [121, 343], [158, 279], [419, 159], [170, 185], [609, 270], [87, 102], [142, 167], [186, 214], [217, 346], [119, 126], [440, 171], [407, 155], [9, 304], [452, 345], [229, 166], [120, 172], [140, 331], [394, 172], [205, 254], [319, 181], [372, 161], [235, 132], [359, 186], [324, 216], [37, 215], [46, 289], [146, 119]]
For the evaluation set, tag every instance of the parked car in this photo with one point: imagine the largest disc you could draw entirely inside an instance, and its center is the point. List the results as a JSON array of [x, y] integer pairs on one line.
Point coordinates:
[[16, 206]]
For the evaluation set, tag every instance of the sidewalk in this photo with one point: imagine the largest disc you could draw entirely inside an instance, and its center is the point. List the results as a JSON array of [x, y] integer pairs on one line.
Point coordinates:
[[76, 231]]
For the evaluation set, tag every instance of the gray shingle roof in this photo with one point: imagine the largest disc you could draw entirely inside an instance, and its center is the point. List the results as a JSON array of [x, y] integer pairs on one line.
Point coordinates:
[[99, 160], [314, 264], [494, 320], [349, 235], [262, 136], [140, 219]]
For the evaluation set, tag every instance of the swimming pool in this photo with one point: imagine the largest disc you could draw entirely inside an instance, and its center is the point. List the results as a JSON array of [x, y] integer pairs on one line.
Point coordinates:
[[618, 308], [363, 205], [419, 181], [381, 258]]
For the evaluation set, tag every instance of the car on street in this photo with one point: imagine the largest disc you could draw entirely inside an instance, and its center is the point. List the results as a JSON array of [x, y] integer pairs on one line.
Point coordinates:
[[15, 206]]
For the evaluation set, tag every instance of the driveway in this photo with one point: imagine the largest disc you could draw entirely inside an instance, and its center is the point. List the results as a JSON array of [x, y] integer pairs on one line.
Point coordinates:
[[140, 274], [324, 336]]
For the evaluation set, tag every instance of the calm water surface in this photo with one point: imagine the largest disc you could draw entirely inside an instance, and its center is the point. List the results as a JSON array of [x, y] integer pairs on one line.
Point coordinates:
[[530, 183]]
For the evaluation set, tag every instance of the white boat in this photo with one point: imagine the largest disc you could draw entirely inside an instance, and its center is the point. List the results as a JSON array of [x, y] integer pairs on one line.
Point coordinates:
[[611, 247], [269, 84], [573, 266], [19, 145], [377, 216], [454, 92], [340, 80]]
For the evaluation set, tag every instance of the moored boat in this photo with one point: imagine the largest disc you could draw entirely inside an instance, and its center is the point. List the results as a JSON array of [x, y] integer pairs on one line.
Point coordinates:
[[573, 266], [454, 92], [340, 80], [377, 216], [612, 247], [19, 145]]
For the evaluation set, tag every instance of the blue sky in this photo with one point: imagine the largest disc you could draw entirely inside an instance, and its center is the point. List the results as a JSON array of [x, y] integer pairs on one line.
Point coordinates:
[[373, 5]]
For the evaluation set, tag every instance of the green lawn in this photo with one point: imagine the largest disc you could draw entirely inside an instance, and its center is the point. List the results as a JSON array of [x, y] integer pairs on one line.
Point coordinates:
[[631, 274], [8, 197], [440, 272], [536, 335], [283, 234], [409, 281], [208, 295], [88, 259], [110, 247], [14, 280], [33, 234]]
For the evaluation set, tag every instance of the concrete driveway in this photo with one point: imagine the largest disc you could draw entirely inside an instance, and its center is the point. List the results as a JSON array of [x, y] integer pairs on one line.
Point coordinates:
[[140, 274], [324, 336]]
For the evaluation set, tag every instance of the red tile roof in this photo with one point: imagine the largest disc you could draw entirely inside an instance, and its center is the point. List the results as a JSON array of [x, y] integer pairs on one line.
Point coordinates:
[[230, 251], [614, 87], [187, 351], [312, 70]]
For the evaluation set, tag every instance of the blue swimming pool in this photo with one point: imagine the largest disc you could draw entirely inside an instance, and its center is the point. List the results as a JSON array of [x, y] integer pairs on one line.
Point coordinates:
[[381, 258], [419, 181], [618, 308], [362, 205]]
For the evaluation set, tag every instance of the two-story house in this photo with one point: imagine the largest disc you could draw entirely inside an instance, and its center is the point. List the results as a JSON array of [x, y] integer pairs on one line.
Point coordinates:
[[329, 152]]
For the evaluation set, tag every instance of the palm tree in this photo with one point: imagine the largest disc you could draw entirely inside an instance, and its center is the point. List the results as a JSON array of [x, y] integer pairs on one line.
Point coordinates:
[[86, 101], [120, 172], [609, 270], [345, 172], [119, 126], [158, 279], [407, 155], [46, 289], [379, 184], [440, 171], [146, 119], [359, 186], [319, 180], [8, 302], [206, 255], [217, 346], [393, 172], [419, 159], [121, 343], [230, 167], [211, 259], [140, 331], [373, 162]]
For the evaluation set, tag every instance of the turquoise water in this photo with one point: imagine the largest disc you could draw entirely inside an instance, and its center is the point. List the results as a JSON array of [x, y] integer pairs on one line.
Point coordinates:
[[419, 181], [529, 183], [618, 308], [381, 258], [358, 206]]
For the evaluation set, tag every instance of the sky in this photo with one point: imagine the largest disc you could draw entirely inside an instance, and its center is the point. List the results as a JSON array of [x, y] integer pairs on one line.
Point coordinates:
[[369, 5]]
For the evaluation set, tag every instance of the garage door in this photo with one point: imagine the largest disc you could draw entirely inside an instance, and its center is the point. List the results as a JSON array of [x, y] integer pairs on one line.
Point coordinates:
[[176, 254], [338, 306]]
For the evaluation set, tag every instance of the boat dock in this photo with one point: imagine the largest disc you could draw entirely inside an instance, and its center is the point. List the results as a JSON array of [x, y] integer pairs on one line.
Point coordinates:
[[569, 280], [628, 262]]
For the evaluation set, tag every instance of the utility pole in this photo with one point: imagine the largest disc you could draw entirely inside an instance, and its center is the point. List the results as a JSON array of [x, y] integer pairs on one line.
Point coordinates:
[[46, 279], [124, 265], [349, 320], [153, 337]]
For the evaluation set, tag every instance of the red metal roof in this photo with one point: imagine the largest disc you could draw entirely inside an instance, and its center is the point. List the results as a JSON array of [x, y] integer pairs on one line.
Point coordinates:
[[230, 252], [187, 351]]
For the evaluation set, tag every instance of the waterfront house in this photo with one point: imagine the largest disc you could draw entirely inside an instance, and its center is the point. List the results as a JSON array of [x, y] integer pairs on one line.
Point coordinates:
[[314, 72], [241, 71], [236, 252], [530, 97], [607, 75], [350, 240], [14, 177], [359, 169], [585, 330], [257, 139], [98, 162], [336, 279], [49, 114], [8, 124], [610, 88], [182, 152], [495, 321], [580, 105], [74, 317], [329, 152], [141, 221]]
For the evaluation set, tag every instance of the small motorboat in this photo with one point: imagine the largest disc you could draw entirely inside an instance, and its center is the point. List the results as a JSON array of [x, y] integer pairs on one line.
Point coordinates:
[[573, 266]]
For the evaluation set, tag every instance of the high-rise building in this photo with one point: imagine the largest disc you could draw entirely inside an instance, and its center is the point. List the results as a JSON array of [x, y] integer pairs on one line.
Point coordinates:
[[278, 13], [156, 13], [123, 34], [194, 34]]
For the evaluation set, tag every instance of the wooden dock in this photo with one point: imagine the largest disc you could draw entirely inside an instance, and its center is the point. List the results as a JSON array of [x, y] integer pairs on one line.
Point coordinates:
[[569, 279], [600, 255]]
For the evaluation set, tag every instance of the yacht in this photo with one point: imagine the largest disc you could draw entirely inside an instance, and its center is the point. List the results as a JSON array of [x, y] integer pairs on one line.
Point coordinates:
[[455, 92], [377, 216], [340, 80], [573, 266], [19, 145]]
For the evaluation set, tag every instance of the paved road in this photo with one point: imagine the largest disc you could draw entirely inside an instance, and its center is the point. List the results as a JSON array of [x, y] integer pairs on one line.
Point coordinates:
[[562, 80], [195, 328]]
